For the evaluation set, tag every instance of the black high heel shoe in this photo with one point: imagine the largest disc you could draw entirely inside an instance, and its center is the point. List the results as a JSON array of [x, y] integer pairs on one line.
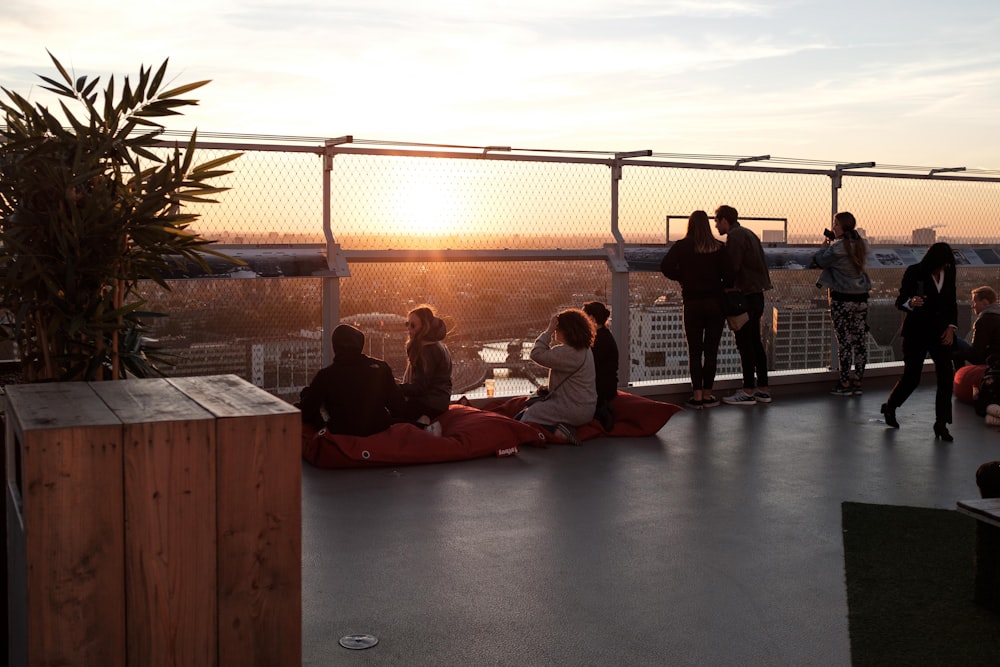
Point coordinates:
[[890, 416], [941, 431]]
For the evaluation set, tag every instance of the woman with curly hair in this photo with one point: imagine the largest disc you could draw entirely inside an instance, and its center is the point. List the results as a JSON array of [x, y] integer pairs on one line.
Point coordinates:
[[427, 379], [564, 348]]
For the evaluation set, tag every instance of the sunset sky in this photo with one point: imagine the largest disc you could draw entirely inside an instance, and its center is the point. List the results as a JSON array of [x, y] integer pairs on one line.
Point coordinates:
[[902, 82]]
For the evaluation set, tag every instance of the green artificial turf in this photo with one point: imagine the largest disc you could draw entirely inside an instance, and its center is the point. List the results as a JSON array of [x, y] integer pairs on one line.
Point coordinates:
[[910, 586]]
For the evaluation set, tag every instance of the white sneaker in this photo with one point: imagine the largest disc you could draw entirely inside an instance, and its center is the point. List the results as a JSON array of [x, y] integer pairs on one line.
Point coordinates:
[[434, 428], [740, 398]]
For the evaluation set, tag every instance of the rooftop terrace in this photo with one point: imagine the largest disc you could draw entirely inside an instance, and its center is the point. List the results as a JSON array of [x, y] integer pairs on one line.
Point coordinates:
[[716, 542]]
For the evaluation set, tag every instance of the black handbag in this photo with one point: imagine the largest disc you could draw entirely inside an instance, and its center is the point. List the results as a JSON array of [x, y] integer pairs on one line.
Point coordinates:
[[539, 395], [734, 309], [732, 303]]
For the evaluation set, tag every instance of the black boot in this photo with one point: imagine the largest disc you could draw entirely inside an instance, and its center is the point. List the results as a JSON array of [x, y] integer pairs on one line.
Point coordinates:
[[941, 431], [890, 416]]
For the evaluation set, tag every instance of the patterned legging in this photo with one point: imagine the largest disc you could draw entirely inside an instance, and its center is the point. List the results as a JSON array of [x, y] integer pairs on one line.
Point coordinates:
[[850, 322]]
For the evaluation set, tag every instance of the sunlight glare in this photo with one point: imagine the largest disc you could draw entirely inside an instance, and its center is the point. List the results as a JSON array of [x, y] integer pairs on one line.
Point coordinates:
[[427, 207]]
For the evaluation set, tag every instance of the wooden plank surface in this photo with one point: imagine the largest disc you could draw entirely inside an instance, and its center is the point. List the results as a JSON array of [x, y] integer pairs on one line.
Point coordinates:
[[260, 539], [56, 405], [231, 396], [170, 525], [148, 400], [983, 509], [259, 470], [70, 500]]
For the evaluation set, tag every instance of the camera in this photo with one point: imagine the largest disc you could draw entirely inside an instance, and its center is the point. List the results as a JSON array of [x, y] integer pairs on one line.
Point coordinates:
[[828, 233]]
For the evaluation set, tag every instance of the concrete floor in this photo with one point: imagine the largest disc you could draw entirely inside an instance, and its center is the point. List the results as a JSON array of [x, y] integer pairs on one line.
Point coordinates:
[[716, 542]]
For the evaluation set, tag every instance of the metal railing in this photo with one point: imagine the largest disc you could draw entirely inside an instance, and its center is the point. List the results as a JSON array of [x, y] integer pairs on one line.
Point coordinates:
[[497, 238]]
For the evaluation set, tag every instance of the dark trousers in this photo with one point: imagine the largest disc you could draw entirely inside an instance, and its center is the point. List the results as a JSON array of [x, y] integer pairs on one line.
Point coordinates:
[[753, 358], [703, 322], [915, 350]]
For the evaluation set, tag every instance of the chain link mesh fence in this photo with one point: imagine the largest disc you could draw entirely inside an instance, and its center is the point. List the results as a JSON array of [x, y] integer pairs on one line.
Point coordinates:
[[269, 329]]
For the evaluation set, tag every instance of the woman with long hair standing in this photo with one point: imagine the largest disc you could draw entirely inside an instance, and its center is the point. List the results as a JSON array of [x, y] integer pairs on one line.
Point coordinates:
[[699, 263], [927, 296], [843, 261], [427, 379]]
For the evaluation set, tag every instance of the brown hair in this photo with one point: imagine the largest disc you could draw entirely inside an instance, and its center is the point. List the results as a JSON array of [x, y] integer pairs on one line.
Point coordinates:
[[985, 292], [728, 213], [432, 329], [857, 248], [700, 233], [576, 328]]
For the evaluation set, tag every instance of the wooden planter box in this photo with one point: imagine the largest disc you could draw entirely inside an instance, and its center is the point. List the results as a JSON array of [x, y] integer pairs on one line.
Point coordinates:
[[153, 522]]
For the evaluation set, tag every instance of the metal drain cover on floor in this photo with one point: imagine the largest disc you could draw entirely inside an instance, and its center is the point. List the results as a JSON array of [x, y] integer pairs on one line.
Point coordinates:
[[358, 641]]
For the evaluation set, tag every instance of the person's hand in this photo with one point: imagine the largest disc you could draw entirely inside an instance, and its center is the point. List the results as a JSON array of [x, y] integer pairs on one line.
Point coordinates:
[[553, 323], [948, 337], [916, 301]]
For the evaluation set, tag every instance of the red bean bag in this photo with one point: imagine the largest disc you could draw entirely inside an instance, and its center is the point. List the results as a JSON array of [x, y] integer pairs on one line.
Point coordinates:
[[967, 381], [466, 433], [635, 416]]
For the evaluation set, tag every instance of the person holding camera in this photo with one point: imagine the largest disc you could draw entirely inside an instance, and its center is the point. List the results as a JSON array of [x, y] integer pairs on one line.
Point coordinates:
[[842, 258]]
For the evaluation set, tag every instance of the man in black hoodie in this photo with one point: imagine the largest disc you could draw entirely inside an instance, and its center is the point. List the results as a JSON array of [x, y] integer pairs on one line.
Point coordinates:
[[356, 392]]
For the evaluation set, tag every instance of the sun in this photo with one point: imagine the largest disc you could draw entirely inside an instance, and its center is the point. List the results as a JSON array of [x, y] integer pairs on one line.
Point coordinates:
[[428, 207]]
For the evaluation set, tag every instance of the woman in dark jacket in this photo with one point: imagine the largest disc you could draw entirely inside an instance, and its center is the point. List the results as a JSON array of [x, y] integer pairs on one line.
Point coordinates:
[[427, 379], [699, 263], [605, 351], [927, 296]]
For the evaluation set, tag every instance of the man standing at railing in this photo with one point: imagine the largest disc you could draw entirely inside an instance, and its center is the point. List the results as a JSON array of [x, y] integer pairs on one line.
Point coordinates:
[[752, 280]]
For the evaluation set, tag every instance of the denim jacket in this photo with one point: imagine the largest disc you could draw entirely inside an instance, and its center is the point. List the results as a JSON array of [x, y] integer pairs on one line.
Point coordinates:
[[839, 273]]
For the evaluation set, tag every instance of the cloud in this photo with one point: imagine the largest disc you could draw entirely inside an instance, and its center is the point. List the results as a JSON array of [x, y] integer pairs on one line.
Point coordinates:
[[684, 75]]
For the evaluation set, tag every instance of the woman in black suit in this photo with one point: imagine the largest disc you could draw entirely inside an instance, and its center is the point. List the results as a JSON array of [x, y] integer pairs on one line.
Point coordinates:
[[927, 296]]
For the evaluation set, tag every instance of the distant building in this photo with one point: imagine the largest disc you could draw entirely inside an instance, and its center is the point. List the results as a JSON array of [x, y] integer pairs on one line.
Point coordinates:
[[802, 337], [772, 236], [210, 359], [658, 349], [923, 236]]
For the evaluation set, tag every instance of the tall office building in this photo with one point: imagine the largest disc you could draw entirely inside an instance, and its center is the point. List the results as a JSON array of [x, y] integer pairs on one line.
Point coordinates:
[[658, 349], [802, 337]]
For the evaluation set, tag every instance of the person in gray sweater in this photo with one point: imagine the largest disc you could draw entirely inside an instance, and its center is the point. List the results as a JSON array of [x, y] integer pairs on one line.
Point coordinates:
[[564, 348]]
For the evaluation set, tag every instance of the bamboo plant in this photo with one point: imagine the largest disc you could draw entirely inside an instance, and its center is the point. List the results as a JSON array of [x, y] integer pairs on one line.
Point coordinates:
[[90, 204]]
